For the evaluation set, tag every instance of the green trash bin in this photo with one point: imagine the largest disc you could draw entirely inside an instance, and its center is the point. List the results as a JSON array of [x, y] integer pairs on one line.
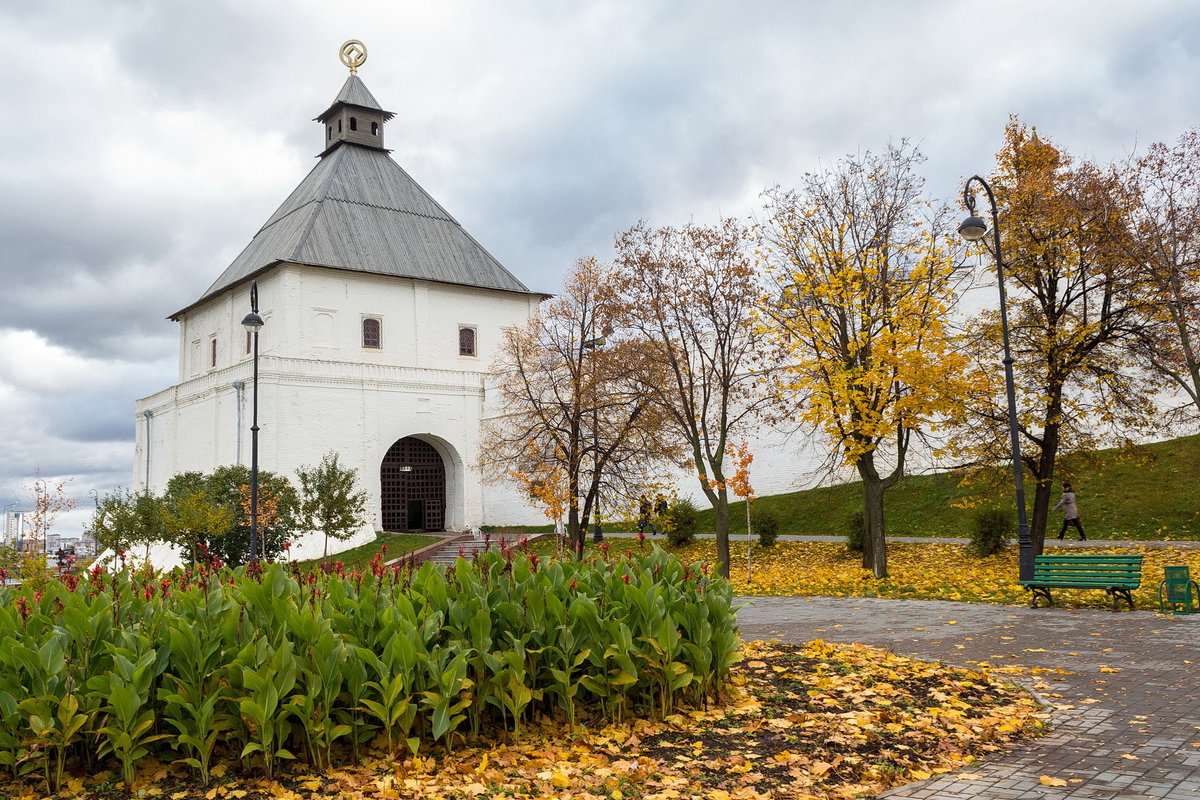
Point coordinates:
[[1178, 593]]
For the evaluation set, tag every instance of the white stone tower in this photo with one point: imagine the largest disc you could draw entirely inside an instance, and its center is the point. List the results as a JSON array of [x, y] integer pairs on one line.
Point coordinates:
[[382, 315]]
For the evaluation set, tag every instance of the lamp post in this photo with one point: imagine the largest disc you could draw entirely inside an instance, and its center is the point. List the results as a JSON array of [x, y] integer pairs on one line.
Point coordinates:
[[974, 229], [253, 323], [597, 534]]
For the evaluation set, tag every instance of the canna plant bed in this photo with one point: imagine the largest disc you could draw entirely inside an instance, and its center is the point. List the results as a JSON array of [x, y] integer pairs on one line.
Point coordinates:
[[240, 672]]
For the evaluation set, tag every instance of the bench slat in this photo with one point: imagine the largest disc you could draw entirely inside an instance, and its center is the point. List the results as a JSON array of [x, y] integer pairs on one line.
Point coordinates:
[[1061, 585], [1090, 578], [1089, 559]]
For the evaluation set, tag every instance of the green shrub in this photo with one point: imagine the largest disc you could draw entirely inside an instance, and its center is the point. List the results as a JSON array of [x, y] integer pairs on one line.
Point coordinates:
[[229, 487], [991, 532], [681, 520], [856, 529], [263, 664], [766, 525]]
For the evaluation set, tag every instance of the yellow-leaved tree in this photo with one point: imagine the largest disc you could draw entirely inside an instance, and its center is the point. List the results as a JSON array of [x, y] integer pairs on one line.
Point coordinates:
[[1078, 305], [863, 285]]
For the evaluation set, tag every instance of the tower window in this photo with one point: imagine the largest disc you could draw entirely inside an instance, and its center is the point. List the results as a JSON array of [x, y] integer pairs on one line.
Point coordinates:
[[353, 124], [466, 341], [339, 126], [328, 131], [372, 333], [374, 128]]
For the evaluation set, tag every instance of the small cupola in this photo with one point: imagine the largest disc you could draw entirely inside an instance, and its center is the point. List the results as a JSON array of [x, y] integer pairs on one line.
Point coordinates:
[[355, 115]]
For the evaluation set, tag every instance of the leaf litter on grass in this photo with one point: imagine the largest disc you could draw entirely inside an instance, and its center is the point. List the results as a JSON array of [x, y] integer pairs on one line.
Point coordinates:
[[917, 571]]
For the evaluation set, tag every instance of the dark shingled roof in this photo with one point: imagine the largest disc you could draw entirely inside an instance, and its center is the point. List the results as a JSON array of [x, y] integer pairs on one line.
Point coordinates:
[[358, 210], [355, 93]]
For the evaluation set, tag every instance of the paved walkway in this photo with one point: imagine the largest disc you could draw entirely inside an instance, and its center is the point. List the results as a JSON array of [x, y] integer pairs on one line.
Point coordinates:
[[1129, 734]]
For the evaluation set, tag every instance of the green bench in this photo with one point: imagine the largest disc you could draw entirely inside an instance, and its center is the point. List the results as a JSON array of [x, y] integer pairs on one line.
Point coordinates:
[[1118, 575]]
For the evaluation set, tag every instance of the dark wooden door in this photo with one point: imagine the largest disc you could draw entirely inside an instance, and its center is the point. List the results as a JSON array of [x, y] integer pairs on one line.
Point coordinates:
[[413, 487]]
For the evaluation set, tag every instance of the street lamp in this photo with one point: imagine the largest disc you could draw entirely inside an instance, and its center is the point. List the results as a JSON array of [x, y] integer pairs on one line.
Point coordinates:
[[253, 323], [593, 344], [974, 229]]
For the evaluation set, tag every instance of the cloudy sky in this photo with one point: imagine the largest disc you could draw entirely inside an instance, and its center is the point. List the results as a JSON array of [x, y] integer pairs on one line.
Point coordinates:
[[146, 142]]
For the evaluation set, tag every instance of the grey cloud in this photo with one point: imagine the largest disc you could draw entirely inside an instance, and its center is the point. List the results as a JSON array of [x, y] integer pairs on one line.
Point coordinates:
[[544, 127]]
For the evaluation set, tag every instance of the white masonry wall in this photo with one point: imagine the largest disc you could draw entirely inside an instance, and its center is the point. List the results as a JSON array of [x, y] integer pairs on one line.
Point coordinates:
[[783, 462], [321, 391]]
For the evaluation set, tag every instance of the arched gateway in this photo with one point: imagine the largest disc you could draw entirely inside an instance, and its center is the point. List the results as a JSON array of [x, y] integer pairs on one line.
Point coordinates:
[[413, 487]]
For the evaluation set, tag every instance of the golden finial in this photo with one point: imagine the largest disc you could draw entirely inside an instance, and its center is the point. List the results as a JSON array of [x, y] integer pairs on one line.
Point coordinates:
[[353, 54]]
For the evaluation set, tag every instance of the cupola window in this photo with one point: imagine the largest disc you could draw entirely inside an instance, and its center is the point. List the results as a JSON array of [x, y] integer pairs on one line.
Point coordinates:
[[374, 128], [353, 124], [339, 126]]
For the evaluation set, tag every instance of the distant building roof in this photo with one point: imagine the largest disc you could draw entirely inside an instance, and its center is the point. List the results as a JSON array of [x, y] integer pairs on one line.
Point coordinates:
[[358, 210]]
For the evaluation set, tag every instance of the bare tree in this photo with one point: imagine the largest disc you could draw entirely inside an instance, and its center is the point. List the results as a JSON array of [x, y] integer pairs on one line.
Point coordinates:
[[577, 422], [1165, 242], [689, 293]]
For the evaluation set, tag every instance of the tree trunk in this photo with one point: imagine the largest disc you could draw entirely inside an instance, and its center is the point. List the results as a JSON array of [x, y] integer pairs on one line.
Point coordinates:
[[1045, 483], [721, 523], [574, 533], [874, 541], [1190, 361]]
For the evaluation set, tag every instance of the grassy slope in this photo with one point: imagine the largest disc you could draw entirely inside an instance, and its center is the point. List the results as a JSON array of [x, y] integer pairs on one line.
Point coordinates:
[[1120, 497]]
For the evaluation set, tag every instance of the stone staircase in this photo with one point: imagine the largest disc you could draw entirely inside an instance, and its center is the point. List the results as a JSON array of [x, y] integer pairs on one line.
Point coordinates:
[[466, 546]]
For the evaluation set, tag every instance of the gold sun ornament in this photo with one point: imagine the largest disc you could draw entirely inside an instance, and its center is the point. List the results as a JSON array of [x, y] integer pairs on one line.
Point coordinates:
[[353, 54]]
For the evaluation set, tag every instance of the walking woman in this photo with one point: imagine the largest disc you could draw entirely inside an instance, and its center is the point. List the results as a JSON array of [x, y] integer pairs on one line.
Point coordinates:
[[1070, 512]]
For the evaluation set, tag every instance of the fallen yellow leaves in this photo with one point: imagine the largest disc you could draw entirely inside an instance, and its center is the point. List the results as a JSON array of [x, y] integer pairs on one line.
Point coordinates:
[[917, 571], [815, 722]]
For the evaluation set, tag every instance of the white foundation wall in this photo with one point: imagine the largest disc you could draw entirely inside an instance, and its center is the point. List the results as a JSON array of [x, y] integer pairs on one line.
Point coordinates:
[[782, 463]]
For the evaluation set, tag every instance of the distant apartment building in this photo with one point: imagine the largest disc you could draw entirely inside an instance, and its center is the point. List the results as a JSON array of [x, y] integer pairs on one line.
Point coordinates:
[[13, 531]]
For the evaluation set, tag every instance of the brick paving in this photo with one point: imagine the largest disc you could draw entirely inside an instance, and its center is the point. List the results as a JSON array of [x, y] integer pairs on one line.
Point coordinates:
[[1131, 734]]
